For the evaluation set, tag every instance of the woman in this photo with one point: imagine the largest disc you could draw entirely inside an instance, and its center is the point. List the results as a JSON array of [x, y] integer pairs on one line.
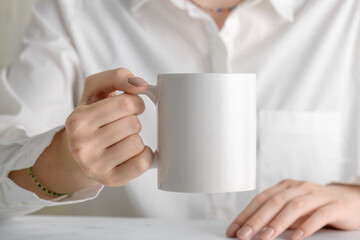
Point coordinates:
[[64, 127]]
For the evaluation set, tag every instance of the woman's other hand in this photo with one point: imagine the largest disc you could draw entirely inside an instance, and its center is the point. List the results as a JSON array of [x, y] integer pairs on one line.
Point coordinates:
[[302, 206]]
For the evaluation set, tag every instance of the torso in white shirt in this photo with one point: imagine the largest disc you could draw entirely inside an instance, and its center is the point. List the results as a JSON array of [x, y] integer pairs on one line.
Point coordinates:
[[305, 54]]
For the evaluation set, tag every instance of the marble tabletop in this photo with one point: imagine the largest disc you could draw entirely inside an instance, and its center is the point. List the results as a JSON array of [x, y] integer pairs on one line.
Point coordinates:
[[60, 228]]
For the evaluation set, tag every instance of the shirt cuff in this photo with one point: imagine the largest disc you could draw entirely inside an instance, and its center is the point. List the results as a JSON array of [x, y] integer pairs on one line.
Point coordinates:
[[15, 200], [20, 196], [19, 201], [24, 152]]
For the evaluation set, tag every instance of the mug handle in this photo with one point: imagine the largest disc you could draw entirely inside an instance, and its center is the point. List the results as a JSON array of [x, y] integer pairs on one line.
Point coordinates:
[[151, 92]]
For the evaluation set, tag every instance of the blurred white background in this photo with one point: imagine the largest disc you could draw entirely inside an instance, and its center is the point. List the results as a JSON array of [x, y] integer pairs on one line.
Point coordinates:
[[14, 16]]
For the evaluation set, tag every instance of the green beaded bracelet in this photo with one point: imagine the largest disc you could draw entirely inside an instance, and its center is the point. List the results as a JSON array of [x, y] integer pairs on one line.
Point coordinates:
[[41, 186]]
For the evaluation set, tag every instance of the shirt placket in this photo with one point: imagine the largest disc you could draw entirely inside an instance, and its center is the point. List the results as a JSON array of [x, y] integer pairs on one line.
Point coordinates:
[[218, 44], [221, 205], [228, 34], [218, 50], [222, 43]]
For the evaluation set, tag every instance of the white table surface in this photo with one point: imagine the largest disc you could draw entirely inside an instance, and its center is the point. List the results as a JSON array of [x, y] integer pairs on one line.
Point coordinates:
[[57, 227]]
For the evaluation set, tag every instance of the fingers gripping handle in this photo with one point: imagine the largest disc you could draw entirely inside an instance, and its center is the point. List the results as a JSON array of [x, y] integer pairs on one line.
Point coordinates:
[[151, 92]]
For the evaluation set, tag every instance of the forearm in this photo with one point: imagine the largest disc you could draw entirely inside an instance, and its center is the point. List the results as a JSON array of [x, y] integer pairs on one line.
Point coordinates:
[[55, 169]]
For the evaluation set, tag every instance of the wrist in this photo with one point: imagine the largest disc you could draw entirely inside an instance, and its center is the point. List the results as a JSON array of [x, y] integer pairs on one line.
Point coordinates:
[[69, 167], [57, 170]]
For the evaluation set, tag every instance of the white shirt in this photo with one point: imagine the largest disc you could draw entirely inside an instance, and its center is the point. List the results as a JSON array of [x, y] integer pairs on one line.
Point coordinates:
[[306, 54]]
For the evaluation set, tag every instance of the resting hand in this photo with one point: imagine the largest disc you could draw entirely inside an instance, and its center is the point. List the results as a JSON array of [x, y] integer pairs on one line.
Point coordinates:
[[302, 206]]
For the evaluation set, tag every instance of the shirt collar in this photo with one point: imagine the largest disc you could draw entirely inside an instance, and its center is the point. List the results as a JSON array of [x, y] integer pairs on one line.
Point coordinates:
[[285, 8]]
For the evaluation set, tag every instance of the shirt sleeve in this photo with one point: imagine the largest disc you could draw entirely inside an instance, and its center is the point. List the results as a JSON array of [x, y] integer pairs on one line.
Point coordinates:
[[37, 93]]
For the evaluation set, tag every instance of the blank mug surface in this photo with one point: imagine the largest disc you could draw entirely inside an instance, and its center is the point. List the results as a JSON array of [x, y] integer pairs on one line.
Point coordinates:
[[206, 132]]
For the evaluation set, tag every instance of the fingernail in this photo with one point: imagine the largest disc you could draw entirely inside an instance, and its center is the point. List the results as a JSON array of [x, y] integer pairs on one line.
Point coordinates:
[[297, 235], [137, 81], [244, 232], [232, 229], [268, 233]]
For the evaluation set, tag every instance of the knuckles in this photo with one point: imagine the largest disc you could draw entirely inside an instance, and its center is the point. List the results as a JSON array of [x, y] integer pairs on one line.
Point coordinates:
[[136, 143], [130, 104], [276, 201], [141, 165], [76, 121], [297, 203], [261, 198], [307, 185], [134, 124], [301, 184], [286, 182], [127, 104]]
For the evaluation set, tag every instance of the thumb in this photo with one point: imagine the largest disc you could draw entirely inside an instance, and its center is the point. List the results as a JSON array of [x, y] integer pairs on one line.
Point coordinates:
[[104, 84]]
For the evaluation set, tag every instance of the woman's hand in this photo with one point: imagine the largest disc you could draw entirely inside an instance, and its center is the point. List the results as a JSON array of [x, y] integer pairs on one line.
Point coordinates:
[[302, 206], [103, 131], [100, 142]]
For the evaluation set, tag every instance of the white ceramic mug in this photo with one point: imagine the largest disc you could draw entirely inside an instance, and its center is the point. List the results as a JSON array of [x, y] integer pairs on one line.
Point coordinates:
[[206, 132]]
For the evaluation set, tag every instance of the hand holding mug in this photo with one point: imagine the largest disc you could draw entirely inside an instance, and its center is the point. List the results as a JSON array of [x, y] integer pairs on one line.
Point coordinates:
[[206, 135], [103, 130]]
